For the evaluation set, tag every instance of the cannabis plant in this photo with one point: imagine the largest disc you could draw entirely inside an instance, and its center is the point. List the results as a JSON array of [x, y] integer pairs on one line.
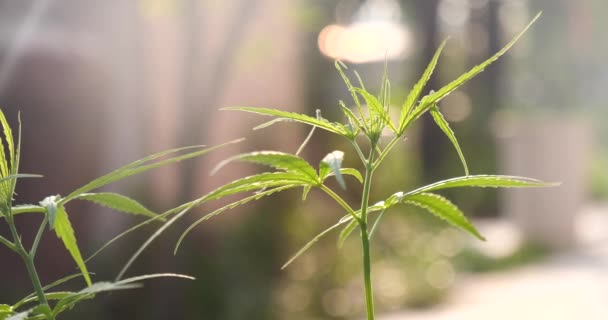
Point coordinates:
[[366, 127], [46, 302]]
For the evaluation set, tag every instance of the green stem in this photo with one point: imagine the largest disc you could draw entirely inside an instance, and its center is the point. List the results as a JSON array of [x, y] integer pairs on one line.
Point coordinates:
[[367, 274], [31, 268], [7, 243], [38, 237], [367, 182]]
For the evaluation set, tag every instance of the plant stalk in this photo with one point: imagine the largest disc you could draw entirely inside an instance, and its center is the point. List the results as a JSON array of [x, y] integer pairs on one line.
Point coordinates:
[[31, 268], [367, 278]]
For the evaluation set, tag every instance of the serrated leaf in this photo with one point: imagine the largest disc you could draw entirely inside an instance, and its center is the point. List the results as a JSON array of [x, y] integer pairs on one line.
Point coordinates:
[[429, 100], [443, 209], [140, 166], [277, 160], [333, 162], [339, 65], [376, 108], [414, 94], [445, 127], [257, 182], [345, 172], [46, 288], [232, 205], [352, 118], [482, 181], [310, 243], [65, 232], [292, 116], [8, 137], [117, 202]]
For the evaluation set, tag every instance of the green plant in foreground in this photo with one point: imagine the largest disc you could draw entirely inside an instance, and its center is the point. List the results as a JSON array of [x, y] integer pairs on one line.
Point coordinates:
[[292, 171], [54, 216]]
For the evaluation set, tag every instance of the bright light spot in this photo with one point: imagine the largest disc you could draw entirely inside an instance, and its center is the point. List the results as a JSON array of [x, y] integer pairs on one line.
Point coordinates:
[[454, 13], [337, 303], [293, 297], [390, 284], [440, 274], [449, 242], [457, 106], [374, 33], [365, 42]]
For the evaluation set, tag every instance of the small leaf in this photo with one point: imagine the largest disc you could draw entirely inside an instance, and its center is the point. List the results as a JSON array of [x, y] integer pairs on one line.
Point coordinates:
[[232, 205], [117, 202], [140, 166], [310, 243], [257, 182], [483, 181], [292, 116], [430, 100], [376, 108], [444, 209], [412, 97], [50, 205], [445, 127], [278, 160], [65, 232], [345, 172], [333, 160]]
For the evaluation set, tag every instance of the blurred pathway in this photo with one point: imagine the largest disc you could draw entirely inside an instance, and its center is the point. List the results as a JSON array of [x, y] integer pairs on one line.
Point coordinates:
[[571, 285]]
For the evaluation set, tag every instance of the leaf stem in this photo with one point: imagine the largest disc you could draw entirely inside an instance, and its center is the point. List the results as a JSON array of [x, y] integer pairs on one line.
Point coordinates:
[[38, 236], [7, 243], [341, 202]]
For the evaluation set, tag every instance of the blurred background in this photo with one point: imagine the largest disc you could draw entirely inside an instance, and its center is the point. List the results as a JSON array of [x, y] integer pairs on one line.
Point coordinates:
[[101, 83]]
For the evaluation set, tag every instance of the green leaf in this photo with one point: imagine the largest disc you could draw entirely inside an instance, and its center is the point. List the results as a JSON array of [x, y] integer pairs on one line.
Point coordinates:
[[46, 288], [345, 172], [310, 243], [414, 94], [332, 162], [140, 166], [99, 287], [352, 118], [5, 311], [350, 227], [481, 181], [339, 65], [431, 99], [376, 108], [65, 232], [278, 160], [444, 209], [292, 116], [257, 182], [50, 206], [445, 127], [8, 137], [232, 205], [117, 202]]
